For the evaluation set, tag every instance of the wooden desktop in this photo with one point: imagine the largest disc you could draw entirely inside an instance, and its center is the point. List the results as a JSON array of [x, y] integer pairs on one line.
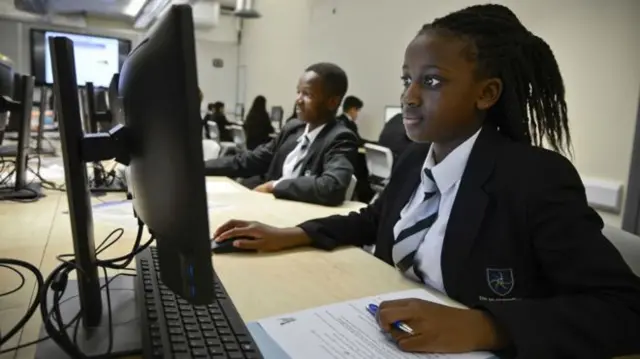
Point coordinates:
[[260, 285]]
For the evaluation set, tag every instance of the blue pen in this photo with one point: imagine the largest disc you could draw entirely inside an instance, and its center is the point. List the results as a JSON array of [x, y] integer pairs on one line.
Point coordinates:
[[373, 309]]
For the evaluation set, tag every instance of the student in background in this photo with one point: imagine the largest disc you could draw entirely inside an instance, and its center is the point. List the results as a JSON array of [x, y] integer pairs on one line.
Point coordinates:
[[394, 136], [350, 109], [257, 126], [310, 160], [485, 214], [205, 121], [216, 114]]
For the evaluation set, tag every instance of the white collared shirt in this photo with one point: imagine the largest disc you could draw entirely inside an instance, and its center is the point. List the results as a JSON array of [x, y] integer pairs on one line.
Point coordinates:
[[447, 175], [289, 169]]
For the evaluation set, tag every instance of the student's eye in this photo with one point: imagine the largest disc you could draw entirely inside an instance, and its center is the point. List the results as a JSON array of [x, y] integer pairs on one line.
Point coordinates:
[[406, 81], [431, 81]]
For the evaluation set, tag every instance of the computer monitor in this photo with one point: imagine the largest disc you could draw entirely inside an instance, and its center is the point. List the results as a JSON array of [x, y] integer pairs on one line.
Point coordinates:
[[390, 112], [162, 144], [115, 103], [20, 112], [6, 89], [276, 116], [14, 122], [160, 97]]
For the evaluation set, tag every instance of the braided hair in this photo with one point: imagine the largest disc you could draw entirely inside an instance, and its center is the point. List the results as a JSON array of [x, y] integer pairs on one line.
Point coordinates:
[[532, 105]]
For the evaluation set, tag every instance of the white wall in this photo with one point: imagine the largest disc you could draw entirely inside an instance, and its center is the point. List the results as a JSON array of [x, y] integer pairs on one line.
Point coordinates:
[[595, 42]]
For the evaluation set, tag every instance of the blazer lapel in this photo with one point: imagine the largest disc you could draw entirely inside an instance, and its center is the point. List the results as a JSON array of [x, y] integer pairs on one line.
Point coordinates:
[[315, 146], [287, 145], [468, 208]]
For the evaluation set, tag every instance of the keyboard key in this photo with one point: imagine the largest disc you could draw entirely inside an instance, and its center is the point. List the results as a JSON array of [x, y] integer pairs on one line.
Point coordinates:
[[228, 339], [176, 339], [175, 331], [211, 342], [180, 348], [174, 323], [232, 347], [224, 331], [210, 334], [196, 343], [207, 327], [189, 321], [200, 353], [194, 335], [172, 316], [236, 355], [191, 328], [247, 347]]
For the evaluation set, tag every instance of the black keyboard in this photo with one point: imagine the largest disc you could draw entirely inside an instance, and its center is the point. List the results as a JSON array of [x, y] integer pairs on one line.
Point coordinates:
[[173, 328]]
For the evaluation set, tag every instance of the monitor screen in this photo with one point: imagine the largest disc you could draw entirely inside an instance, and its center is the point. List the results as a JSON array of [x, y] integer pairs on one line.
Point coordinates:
[[390, 111], [97, 58]]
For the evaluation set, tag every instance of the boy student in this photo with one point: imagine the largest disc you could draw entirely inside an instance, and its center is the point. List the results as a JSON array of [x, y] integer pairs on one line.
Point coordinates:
[[310, 160], [485, 214]]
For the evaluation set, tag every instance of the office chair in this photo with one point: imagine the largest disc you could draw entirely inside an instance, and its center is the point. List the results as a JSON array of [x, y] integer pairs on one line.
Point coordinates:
[[627, 243], [379, 162], [351, 188]]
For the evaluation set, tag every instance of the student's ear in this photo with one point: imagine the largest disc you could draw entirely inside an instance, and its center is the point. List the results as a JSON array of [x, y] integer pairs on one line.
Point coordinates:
[[490, 91], [333, 103]]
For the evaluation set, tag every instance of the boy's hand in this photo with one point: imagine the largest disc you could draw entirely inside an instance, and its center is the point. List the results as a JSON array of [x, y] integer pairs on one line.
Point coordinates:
[[266, 238], [265, 187]]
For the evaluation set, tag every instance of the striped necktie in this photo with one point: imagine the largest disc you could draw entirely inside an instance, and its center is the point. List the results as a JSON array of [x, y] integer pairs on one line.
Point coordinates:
[[409, 239], [304, 145]]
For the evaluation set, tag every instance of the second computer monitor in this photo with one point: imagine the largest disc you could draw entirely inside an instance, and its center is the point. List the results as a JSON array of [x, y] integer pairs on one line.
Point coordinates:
[[159, 91]]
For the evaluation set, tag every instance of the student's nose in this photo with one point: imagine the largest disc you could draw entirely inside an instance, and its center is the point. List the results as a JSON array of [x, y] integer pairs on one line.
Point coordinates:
[[412, 96]]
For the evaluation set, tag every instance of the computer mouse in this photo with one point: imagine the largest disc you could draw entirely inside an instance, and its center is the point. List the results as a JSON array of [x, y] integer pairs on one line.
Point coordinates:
[[226, 246]]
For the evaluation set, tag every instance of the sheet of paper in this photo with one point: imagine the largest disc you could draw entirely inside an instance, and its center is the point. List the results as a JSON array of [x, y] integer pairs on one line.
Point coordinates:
[[345, 330], [222, 187], [116, 212]]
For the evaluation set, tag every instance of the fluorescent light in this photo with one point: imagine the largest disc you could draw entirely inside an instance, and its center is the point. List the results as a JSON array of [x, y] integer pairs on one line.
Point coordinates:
[[133, 7]]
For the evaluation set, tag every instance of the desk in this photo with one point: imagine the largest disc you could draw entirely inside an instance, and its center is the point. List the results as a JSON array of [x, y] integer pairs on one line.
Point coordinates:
[[284, 282]]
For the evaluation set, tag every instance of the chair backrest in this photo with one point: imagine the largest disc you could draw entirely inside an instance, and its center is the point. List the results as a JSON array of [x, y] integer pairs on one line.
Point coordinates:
[[214, 133], [379, 160], [239, 138], [210, 150], [352, 187], [628, 245]]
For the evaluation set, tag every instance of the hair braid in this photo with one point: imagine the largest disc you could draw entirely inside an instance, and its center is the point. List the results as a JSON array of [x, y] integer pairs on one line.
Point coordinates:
[[532, 106]]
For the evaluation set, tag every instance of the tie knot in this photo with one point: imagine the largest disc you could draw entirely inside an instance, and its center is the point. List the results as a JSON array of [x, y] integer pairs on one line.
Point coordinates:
[[304, 142], [429, 174]]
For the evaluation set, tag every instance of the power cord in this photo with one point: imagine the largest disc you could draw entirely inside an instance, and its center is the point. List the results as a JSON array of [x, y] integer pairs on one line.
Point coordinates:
[[36, 301], [57, 281], [22, 280], [68, 325]]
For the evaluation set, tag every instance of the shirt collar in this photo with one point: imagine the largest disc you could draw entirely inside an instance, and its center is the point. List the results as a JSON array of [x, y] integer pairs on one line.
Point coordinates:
[[450, 170], [311, 135], [347, 116]]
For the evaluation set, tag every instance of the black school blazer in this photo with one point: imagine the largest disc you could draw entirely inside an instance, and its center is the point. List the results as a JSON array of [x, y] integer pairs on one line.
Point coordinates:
[[325, 173], [520, 213]]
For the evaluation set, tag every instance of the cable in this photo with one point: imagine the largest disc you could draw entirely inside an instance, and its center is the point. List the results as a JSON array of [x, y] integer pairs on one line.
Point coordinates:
[[68, 325], [22, 280], [57, 281], [34, 305]]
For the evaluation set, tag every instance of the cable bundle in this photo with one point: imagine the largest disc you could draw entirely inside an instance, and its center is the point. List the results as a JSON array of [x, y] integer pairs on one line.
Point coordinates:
[[55, 328]]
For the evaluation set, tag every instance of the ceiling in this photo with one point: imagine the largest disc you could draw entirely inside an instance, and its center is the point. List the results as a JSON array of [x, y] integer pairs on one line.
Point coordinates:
[[120, 9]]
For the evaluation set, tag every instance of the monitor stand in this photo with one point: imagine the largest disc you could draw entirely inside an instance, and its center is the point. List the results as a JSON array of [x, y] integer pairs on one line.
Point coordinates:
[[27, 192], [95, 341]]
